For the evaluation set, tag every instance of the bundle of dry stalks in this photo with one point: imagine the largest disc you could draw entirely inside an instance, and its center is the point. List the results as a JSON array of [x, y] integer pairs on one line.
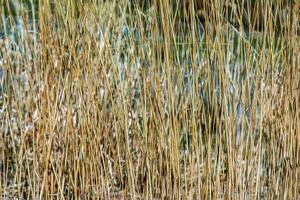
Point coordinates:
[[105, 100]]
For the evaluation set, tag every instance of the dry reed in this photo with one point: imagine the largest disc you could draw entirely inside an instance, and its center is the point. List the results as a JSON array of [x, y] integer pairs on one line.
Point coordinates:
[[108, 100]]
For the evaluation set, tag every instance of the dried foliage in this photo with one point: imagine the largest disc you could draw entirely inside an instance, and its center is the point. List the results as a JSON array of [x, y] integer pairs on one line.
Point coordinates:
[[111, 100]]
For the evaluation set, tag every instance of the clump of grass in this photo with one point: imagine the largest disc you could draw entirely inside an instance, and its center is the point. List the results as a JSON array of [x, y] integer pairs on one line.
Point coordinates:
[[110, 100]]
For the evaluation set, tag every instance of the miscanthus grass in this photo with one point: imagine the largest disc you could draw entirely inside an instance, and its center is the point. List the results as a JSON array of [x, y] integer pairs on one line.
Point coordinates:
[[114, 100]]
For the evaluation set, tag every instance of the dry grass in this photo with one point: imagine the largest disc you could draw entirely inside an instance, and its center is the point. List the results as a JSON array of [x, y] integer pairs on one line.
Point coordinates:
[[103, 100]]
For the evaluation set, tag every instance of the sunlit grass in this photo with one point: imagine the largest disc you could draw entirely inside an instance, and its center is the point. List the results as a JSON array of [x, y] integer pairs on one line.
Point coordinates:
[[109, 100]]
